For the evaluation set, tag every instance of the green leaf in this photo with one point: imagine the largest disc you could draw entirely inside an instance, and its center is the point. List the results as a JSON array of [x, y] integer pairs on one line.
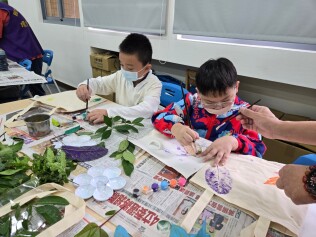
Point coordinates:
[[17, 213], [25, 224], [116, 118], [84, 133], [55, 122], [101, 144], [123, 145], [119, 156], [123, 131], [51, 214], [131, 147], [17, 139], [137, 120], [139, 124], [101, 130], [5, 226], [52, 200], [125, 127], [114, 154], [127, 155], [17, 147], [96, 136], [92, 230], [110, 213], [127, 167], [106, 134], [25, 233], [107, 121], [10, 172]]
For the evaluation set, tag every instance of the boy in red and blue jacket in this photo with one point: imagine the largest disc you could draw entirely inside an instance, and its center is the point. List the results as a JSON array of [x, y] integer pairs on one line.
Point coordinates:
[[215, 100]]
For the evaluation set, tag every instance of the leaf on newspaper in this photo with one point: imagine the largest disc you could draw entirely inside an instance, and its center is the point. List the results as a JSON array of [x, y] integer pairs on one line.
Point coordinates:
[[84, 153], [92, 229], [219, 179], [110, 213]]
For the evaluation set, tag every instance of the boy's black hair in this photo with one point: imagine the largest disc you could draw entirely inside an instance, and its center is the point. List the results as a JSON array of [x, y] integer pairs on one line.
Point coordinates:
[[215, 76], [137, 44]]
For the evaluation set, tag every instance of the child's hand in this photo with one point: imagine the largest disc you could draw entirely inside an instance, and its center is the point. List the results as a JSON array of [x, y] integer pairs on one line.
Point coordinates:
[[219, 150], [83, 93], [184, 135], [96, 116]]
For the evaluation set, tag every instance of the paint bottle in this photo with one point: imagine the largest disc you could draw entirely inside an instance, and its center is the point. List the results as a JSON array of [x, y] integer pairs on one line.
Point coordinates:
[[182, 181], [173, 183], [146, 190], [136, 192], [155, 187], [164, 185]]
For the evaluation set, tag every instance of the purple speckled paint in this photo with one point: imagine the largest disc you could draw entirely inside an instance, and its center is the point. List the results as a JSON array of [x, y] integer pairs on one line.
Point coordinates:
[[219, 179]]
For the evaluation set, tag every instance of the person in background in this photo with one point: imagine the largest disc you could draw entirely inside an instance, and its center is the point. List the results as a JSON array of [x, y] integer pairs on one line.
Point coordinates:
[[135, 87], [297, 181], [19, 42], [215, 100]]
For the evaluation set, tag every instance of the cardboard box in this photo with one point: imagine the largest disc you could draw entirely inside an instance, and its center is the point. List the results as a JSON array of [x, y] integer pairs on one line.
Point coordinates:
[[282, 152], [190, 78], [96, 72], [106, 62]]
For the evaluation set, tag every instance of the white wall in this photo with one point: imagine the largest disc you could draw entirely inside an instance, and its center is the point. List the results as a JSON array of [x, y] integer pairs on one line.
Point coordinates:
[[71, 46]]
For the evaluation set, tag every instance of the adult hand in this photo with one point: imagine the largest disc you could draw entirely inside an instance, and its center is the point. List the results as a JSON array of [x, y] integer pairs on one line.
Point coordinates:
[[184, 134], [220, 150], [291, 181], [259, 119], [83, 93], [97, 116]]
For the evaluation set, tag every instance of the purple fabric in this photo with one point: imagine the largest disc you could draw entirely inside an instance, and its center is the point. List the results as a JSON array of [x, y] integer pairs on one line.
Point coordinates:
[[18, 41]]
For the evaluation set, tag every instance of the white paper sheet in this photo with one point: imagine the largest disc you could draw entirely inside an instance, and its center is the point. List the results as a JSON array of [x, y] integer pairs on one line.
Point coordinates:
[[169, 151]]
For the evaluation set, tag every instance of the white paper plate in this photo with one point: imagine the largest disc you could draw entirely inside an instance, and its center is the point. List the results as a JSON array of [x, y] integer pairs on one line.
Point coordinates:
[[85, 191], [97, 181], [96, 171], [117, 183], [112, 172], [83, 179], [103, 193]]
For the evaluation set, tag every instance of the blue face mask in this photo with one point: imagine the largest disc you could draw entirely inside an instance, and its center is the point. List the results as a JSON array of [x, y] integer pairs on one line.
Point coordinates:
[[131, 76]]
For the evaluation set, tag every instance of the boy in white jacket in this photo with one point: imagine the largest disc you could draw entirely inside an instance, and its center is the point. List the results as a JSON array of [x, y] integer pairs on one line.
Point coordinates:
[[135, 87]]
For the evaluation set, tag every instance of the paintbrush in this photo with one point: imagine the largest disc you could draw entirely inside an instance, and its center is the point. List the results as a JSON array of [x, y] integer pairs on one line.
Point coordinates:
[[87, 102], [235, 115], [188, 117]]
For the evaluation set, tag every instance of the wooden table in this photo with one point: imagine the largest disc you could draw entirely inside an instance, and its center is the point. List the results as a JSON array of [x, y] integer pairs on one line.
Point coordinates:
[[308, 226]]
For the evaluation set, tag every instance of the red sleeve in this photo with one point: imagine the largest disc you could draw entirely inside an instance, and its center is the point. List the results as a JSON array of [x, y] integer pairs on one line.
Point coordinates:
[[4, 19], [163, 120]]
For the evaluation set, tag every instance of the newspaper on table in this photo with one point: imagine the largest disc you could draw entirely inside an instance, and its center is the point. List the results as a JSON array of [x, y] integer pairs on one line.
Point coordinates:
[[144, 216], [227, 220], [18, 75]]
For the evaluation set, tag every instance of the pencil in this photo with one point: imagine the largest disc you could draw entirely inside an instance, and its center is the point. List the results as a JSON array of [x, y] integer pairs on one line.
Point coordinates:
[[87, 102], [235, 115], [188, 117]]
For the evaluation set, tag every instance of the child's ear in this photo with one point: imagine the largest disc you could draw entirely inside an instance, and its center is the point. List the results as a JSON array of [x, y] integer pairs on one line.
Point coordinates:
[[148, 66], [237, 86]]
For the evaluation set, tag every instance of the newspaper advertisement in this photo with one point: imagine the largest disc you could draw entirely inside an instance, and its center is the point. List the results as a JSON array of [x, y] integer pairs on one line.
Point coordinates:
[[18, 75], [149, 214], [226, 220]]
